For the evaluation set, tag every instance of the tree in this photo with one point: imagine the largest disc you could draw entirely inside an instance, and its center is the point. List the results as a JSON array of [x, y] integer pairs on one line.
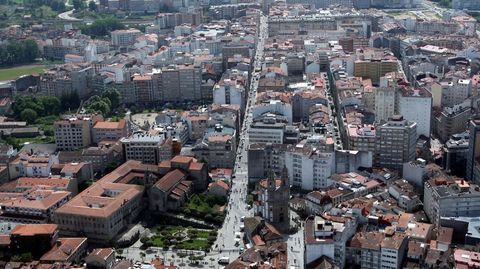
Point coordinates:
[[102, 27], [51, 104], [110, 167], [77, 4], [114, 96], [24, 257], [70, 101], [29, 115], [92, 6]]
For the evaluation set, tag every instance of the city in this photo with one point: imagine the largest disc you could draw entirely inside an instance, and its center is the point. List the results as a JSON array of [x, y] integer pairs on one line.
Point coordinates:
[[164, 134]]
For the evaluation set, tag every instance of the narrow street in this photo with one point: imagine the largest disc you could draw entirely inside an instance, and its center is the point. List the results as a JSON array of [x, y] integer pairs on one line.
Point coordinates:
[[228, 235]]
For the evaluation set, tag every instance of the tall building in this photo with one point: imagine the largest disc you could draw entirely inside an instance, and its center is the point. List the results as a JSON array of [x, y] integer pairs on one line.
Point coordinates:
[[473, 150], [452, 120], [143, 88], [311, 164], [384, 103], [72, 134], [181, 83], [396, 143], [416, 105], [272, 196]]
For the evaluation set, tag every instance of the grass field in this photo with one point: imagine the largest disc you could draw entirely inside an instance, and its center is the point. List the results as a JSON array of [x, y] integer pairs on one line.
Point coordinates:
[[15, 72]]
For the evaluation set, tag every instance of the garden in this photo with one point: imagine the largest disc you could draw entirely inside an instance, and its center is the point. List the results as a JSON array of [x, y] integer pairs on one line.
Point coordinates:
[[177, 237], [207, 207]]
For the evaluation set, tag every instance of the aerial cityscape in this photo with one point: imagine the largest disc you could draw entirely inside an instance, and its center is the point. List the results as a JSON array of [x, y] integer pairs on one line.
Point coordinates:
[[239, 134]]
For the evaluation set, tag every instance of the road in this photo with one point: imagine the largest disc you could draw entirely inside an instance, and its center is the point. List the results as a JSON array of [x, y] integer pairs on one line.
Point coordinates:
[[296, 245], [237, 206], [67, 16]]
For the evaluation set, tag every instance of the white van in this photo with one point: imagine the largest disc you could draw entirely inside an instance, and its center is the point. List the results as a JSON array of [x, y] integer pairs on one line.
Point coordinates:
[[224, 260]]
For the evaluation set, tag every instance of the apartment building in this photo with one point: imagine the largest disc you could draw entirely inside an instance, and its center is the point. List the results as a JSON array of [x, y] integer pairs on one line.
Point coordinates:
[[473, 151], [231, 91], [124, 38], [416, 105], [143, 87], [452, 120], [405, 195], [218, 147], [377, 250], [197, 123], [72, 134], [361, 137], [444, 197], [374, 63], [384, 103], [465, 5], [324, 237], [181, 82], [103, 155], [145, 147], [311, 164], [451, 92], [31, 165], [108, 130], [265, 157], [396, 142]]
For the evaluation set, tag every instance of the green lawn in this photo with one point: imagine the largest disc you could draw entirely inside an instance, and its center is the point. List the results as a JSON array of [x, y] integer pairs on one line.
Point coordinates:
[[194, 244], [181, 238], [15, 72]]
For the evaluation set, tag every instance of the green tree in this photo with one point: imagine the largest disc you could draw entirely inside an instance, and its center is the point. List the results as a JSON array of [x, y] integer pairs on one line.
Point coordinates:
[[70, 101], [114, 96], [51, 104], [77, 4], [24, 257], [92, 6], [29, 115], [102, 27]]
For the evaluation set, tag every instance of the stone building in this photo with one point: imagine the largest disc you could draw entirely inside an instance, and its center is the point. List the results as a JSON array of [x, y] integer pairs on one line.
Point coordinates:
[[271, 202]]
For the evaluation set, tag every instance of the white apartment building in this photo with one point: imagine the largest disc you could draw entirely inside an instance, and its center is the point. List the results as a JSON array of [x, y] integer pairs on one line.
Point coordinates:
[[273, 106], [124, 38], [416, 106], [392, 252], [229, 92], [384, 103], [327, 238], [449, 198], [451, 93], [310, 166], [266, 133]]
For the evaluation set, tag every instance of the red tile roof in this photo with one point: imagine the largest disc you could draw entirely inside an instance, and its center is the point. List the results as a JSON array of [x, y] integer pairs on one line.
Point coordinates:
[[33, 229]]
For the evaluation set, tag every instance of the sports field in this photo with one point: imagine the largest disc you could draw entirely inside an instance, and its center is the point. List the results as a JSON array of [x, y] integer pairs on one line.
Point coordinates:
[[15, 72]]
